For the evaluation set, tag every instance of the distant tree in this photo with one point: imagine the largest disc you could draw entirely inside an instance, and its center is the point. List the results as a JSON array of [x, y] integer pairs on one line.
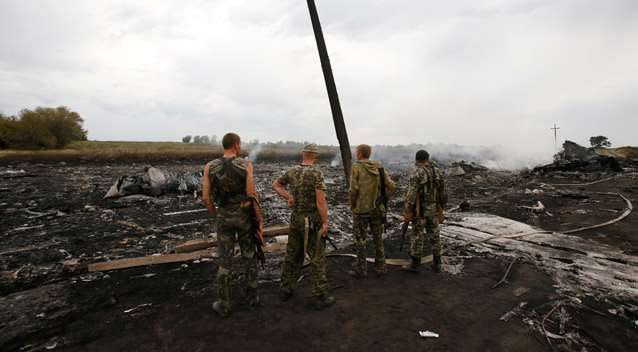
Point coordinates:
[[41, 128], [7, 130], [205, 140], [197, 139], [187, 139], [599, 141], [213, 140]]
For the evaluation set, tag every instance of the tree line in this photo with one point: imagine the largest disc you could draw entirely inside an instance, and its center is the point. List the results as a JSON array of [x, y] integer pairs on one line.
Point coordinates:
[[200, 139], [41, 128], [253, 142]]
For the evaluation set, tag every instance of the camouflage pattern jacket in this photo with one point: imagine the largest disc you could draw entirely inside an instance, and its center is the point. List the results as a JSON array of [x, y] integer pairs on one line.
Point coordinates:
[[228, 181], [427, 189], [302, 182], [365, 187]]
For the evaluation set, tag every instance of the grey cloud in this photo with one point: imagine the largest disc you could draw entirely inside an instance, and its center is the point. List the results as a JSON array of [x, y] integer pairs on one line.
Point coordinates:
[[462, 72]]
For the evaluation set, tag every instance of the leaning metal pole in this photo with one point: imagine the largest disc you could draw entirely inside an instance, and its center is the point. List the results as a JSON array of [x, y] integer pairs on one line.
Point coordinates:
[[337, 115]]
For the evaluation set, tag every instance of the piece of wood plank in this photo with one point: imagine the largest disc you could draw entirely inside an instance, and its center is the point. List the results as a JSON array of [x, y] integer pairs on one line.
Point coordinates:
[[277, 230], [149, 260], [197, 244], [194, 245], [275, 247], [185, 212], [190, 250]]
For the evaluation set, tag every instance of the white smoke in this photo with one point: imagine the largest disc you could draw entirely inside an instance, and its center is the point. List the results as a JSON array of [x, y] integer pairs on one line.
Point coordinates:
[[254, 152], [493, 157], [336, 161]]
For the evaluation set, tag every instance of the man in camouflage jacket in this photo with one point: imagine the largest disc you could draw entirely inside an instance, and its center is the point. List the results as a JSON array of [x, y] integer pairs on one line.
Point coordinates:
[[228, 182], [425, 199], [368, 202], [308, 226]]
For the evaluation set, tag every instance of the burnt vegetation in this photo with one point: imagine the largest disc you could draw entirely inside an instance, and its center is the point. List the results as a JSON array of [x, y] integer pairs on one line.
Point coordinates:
[[540, 290]]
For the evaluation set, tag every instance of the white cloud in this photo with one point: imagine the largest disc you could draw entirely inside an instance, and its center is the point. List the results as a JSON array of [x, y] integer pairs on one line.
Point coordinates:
[[467, 72]]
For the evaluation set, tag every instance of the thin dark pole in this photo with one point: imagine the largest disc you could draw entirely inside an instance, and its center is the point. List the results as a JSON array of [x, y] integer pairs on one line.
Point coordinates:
[[335, 106]]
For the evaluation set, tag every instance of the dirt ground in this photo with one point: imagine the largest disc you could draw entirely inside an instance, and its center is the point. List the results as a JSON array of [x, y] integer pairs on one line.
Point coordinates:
[[53, 215]]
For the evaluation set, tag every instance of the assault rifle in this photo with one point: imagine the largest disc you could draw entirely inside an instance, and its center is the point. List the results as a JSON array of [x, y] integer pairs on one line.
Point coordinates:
[[404, 230], [406, 223], [384, 198], [257, 234]]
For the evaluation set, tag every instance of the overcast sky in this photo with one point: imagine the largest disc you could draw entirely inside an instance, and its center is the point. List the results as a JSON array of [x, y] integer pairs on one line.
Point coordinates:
[[479, 72]]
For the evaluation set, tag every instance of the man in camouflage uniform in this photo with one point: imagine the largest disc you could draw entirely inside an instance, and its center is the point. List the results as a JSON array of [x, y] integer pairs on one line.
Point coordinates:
[[370, 188], [425, 199], [228, 182], [308, 226]]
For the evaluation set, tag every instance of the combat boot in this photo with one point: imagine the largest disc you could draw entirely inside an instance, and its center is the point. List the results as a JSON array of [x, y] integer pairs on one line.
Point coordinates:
[[324, 301], [356, 274], [414, 265], [221, 308], [436, 263]]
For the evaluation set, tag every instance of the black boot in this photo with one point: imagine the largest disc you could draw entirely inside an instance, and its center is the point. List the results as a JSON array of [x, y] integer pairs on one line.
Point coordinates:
[[222, 308], [356, 274], [436, 264], [324, 301]]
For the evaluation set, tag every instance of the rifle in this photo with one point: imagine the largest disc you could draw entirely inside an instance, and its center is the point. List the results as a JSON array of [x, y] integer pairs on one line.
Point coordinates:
[[406, 223], [330, 240], [384, 198], [332, 243], [404, 230], [257, 236]]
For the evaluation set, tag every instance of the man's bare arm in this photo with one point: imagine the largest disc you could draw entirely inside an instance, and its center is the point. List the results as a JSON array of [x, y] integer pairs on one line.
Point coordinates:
[[322, 206], [250, 181], [281, 190], [208, 201]]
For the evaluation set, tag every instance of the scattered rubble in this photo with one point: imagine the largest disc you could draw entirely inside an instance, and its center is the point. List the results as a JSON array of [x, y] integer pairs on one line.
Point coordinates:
[[462, 168], [538, 208], [428, 333], [156, 182], [574, 157], [57, 231], [469, 167], [455, 171]]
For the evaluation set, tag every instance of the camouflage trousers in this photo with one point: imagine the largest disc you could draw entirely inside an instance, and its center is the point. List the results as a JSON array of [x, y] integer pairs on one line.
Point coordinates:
[[361, 224], [234, 225], [316, 249], [417, 237]]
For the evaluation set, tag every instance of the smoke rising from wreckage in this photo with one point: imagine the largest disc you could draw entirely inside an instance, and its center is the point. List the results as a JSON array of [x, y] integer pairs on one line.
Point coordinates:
[[55, 222]]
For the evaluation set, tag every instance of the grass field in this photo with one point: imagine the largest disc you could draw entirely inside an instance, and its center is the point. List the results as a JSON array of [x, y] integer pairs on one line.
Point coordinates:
[[105, 151]]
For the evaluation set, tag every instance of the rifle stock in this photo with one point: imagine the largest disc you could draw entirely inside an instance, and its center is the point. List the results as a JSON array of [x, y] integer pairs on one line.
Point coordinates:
[[257, 235], [404, 230]]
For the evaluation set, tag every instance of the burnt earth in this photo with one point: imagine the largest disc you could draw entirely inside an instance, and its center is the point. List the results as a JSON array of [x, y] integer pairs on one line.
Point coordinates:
[[53, 221]]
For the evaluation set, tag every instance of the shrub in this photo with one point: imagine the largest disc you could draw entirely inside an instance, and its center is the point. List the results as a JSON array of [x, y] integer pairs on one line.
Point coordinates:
[[41, 128], [599, 141]]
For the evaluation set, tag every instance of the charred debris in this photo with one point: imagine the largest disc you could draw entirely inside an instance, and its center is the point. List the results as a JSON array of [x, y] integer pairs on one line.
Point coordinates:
[[71, 227], [576, 158]]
